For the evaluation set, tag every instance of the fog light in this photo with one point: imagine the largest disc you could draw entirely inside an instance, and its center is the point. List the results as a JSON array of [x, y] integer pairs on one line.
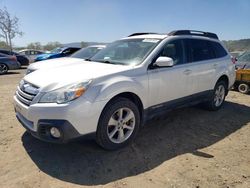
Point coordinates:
[[55, 132]]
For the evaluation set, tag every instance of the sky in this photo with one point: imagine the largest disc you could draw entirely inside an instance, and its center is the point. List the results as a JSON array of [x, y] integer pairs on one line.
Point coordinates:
[[108, 20]]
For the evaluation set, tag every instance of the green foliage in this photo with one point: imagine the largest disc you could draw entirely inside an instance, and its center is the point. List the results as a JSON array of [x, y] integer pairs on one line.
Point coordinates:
[[3, 45], [51, 45], [84, 44], [238, 45], [35, 46]]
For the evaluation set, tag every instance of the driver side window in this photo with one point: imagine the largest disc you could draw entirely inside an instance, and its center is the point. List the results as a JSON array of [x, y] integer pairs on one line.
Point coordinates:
[[174, 50]]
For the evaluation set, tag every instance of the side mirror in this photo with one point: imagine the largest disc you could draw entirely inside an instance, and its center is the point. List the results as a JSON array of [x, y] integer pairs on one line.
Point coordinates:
[[164, 62]]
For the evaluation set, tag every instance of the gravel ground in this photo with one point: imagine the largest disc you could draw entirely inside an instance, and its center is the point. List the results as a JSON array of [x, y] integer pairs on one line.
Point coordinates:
[[187, 147]]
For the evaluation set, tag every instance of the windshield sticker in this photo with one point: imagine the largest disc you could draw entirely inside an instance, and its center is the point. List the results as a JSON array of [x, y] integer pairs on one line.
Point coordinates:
[[151, 40]]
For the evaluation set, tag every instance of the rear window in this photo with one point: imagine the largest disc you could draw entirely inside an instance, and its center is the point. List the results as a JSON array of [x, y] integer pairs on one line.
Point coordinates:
[[218, 49], [198, 50]]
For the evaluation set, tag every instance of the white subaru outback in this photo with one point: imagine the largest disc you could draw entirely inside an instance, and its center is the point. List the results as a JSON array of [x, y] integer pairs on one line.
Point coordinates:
[[128, 82]]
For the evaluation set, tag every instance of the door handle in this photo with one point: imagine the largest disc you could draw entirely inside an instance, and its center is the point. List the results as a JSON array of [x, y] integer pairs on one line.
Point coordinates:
[[187, 71]]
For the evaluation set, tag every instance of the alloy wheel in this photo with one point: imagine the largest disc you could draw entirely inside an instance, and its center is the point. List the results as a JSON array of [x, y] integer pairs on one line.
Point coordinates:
[[121, 125]]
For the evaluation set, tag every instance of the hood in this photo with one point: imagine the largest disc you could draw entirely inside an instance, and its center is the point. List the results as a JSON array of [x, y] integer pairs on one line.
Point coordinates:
[[53, 63], [54, 78], [45, 56]]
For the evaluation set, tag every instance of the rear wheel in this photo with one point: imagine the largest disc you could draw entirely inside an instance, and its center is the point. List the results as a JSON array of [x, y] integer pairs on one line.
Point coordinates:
[[3, 68], [118, 124], [243, 88], [218, 97]]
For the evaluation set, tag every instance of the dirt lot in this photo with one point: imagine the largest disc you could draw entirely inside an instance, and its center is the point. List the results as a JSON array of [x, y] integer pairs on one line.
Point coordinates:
[[188, 147]]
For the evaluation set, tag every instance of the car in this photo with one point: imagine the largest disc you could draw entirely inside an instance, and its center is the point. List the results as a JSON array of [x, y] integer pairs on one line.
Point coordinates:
[[116, 91], [76, 57], [8, 62], [243, 60], [242, 82], [56, 53], [31, 54], [22, 59], [88, 52]]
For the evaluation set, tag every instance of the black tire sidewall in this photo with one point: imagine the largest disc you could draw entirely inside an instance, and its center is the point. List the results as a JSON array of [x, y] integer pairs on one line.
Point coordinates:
[[101, 133], [211, 102]]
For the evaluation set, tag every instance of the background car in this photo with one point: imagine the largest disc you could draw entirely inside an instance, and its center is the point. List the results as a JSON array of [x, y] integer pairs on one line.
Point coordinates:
[[77, 57], [243, 60], [22, 59], [88, 52], [58, 52], [31, 54], [8, 62]]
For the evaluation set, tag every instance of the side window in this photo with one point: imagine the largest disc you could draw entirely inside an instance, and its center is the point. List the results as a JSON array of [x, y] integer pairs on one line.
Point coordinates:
[[218, 49], [174, 50], [198, 50], [67, 51]]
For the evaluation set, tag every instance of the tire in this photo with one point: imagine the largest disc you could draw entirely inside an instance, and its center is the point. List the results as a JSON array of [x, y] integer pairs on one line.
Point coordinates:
[[243, 88], [218, 97], [118, 124], [3, 68]]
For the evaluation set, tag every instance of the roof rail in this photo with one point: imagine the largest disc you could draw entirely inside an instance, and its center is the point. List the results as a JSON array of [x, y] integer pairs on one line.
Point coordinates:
[[135, 34], [193, 32]]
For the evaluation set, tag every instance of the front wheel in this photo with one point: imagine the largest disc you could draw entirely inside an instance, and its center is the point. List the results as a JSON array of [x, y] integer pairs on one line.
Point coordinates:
[[3, 68], [218, 97], [118, 124]]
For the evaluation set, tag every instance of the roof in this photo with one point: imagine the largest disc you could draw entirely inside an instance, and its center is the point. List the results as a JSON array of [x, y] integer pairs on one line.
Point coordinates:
[[96, 46], [149, 36]]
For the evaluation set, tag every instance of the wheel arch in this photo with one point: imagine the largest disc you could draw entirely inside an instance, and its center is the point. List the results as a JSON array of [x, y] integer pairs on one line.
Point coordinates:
[[132, 97], [224, 78], [5, 64]]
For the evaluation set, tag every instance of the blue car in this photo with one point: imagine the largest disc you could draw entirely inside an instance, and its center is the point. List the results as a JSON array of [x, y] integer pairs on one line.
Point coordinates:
[[57, 52]]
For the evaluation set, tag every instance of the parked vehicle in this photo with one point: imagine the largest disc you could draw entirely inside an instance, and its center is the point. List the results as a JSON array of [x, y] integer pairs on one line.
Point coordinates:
[[236, 54], [243, 60], [56, 53], [242, 82], [88, 52], [31, 54], [22, 59], [8, 62], [118, 89], [76, 57]]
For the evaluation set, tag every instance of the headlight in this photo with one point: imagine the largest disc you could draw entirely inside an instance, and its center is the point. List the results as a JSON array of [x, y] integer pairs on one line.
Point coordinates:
[[65, 94], [29, 71]]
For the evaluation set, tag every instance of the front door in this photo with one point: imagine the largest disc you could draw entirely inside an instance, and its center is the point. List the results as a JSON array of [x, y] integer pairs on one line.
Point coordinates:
[[170, 84]]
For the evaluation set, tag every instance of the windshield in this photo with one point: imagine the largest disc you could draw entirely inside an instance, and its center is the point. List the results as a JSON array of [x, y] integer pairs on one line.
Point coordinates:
[[126, 52], [56, 50], [244, 57], [86, 53]]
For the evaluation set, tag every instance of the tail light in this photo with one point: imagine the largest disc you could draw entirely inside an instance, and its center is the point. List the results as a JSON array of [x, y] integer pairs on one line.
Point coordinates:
[[234, 60], [13, 58]]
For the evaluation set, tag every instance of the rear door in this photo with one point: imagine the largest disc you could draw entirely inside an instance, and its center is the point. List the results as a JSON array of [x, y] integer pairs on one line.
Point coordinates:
[[200, 58]]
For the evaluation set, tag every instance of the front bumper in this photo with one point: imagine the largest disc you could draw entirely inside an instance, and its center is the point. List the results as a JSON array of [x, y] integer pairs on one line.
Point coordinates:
[[76, 119], [68, 132]]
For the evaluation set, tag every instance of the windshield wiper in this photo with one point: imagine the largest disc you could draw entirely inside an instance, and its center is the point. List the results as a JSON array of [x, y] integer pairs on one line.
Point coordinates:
[[109, 62], [87, 59]]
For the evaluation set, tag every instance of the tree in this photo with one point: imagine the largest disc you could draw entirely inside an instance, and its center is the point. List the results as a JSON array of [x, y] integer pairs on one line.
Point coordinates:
[[9, 27], [35, 46], [3, 45], [51, 45], [84, 44]]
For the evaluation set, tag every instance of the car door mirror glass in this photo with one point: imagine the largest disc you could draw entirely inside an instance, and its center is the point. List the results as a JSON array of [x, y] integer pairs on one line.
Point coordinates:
[[164, 62]]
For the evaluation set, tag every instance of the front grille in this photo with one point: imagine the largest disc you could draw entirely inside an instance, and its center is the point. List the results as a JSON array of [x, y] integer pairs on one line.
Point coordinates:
[[26, 93]]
